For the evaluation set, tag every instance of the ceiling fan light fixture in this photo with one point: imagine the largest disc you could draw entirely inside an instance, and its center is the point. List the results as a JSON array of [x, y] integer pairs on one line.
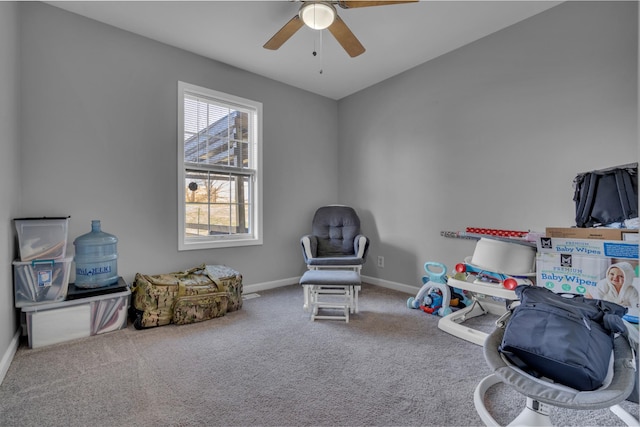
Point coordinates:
[[317, 15]]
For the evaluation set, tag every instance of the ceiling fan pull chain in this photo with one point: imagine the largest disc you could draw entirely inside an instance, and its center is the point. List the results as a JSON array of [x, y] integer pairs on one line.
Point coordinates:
[[321, 52]]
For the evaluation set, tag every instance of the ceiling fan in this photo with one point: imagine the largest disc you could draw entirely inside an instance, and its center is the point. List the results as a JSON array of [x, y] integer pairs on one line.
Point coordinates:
[[319, 15]]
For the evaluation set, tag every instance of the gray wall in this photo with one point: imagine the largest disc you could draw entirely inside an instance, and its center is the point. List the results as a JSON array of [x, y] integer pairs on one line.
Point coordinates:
[[99, 142], [490, 135], [10, 189]]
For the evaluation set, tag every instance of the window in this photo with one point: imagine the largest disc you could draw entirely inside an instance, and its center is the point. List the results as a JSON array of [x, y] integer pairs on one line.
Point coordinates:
[[219, 169]]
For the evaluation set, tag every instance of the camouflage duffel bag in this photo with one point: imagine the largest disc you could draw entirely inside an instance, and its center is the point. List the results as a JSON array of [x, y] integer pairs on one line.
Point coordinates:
[[230, 281], [182, 297]]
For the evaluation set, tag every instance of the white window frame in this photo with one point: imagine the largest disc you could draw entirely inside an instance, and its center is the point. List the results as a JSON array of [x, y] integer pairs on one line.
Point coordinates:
[[226, 240]]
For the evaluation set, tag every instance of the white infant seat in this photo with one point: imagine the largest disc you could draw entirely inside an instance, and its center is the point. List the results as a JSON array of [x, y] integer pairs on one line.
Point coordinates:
[[541, 392]]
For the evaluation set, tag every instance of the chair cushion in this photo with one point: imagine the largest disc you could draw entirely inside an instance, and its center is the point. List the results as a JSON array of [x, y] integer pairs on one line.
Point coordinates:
[[336, 228], [330, 277], [335, 260]]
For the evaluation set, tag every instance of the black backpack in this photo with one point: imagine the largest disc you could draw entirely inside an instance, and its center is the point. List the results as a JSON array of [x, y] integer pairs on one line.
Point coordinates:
[[567, 338], [606, 196]]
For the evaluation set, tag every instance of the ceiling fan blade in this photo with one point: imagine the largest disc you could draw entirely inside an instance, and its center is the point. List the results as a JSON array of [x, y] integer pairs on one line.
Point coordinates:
[[346, 38], [284, 33], [350, 4]]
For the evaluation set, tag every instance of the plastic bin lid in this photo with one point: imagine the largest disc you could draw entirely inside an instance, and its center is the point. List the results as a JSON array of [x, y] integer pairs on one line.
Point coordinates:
[[41, 218], [43, 261]]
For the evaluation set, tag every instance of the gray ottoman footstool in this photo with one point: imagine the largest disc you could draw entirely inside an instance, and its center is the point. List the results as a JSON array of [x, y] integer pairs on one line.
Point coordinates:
[[331, 289]]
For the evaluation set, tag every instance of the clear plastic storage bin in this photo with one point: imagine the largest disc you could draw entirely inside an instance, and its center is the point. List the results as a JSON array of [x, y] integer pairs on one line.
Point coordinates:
[[67, 320], [40, 281], [42, 238]]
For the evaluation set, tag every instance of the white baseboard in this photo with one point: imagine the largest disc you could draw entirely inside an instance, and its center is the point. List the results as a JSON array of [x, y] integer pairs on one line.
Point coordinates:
[[400, 287], [247, 289], [7, 357]]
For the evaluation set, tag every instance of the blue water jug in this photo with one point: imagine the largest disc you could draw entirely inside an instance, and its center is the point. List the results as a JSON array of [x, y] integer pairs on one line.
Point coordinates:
[[96, 258]]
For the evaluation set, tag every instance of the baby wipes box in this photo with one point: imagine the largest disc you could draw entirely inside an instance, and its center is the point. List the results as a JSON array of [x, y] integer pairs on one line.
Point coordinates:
[[568, 273], [599, 269]]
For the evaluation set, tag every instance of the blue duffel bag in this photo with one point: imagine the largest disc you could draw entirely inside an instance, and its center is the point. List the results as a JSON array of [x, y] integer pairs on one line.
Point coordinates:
[[566, 338]]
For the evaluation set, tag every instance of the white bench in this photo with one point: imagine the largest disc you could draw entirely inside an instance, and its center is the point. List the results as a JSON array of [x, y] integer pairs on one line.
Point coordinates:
[[331, 289]]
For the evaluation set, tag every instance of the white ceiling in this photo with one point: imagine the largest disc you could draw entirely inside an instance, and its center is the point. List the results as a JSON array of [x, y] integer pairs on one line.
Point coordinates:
[[396, 37]]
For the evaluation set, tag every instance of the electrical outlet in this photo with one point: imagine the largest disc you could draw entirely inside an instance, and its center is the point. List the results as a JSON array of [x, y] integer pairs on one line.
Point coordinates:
[[381, 261]]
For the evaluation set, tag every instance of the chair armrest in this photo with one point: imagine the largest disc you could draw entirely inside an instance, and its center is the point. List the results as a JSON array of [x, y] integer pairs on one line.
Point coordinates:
[[309, 244], [361, 246]]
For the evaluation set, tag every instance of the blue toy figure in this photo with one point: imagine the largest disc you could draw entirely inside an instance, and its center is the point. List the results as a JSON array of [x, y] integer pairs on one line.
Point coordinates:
[[437, 280]]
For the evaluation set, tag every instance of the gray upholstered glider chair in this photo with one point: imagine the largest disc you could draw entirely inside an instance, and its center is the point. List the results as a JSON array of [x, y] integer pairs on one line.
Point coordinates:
[[335, 241]]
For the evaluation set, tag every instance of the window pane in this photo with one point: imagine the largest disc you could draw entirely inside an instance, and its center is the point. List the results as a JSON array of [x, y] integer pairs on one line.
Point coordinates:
[[240, 125], [190, 114], [220, 223], [243, 154], [240, 202], [215, 134], [220, 210], [218, 151], [196, 203], [216, 203]]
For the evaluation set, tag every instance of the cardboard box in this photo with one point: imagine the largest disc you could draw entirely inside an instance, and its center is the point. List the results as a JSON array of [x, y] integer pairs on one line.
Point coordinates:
[[589, 247], [587, 275], [601, 233]]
